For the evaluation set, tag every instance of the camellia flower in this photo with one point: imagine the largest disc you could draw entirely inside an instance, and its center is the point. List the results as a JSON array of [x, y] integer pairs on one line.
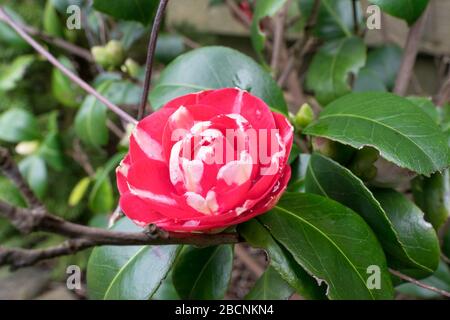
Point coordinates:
[[205, 161]]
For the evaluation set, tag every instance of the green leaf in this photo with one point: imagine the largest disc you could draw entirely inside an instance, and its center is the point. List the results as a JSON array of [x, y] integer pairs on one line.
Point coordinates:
[[34, 171], [405, 236], [385, 63], [130, 272], [9, 193], [368, 81], [51, 23], [13, 72], [408, 10], [203, 273], [428, 106], [8, 36], [335, 18], [169, 47], [79, 191], [63, 89], [51, 151], [297, 181], [281, 260], [137, 10], [263, 8], [215, 68], [167, 290], [270, 286], [330, 242], [18, 125], [432, 195], [401, 131], [440, 279], [90, 121], [331, 67]]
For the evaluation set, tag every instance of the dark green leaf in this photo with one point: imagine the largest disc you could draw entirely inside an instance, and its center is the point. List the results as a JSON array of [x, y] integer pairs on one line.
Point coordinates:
[[18, 125], [63, 89], [408, 240], [137, 10], [428, 106], [13, 72], [408, 10], [9, 193], [281, 260], [51, 23], [335, 19], [368, 81], [331, 67], [214, 68], [51, 151], [8, 36], [330, 242], [90, 121], [167, 290], [297, 181], [203, 273], [130, 272], [263, 8], [34, 171], [401, 131], [169, 47], [385, 63], [270, 286]]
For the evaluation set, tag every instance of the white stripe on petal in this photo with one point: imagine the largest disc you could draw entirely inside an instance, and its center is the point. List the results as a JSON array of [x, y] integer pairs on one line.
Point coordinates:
[[192, 172], [237, 172], [206, 206], [145, 194], [148, 145]]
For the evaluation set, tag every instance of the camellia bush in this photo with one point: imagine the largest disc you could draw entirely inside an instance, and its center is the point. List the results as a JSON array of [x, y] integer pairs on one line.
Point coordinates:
[[144, 152]]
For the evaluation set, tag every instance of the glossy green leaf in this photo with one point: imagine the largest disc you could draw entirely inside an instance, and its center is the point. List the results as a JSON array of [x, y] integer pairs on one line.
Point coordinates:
[[34, 171], [51, 22], [368, 81], [408, 10], [401, 131], [432, 195], [385, 63], [334, 63], [18, 125], [128, 272], [270, 286], [281, 260], [167, 290], [13, 72], [203, 273], [169, 47], [90, 121], [409, 241], [335, 18], [9, 193], [428, 106], [263, 8], [440, 279], [297, 181], [330, 242], [199, 70], [137, 10], [63, 89]]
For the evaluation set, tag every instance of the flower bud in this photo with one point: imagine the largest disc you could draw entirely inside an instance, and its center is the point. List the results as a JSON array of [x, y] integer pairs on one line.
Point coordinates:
[[26, 148], [131, 67], [115, 53], [363, 163], [100, 56], [304, 116]]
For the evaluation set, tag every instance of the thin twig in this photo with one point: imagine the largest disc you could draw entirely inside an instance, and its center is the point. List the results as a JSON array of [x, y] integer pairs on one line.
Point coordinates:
[[241, 17], [248, 260], [418, 283], [278, 37], [85, 86], [409, 55], [82, 158], [443, 96], [150, 54]]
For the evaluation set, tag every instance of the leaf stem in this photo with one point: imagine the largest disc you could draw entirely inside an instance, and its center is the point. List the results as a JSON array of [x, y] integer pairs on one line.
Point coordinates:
[[150, 55], [418, 283], [72, 76]]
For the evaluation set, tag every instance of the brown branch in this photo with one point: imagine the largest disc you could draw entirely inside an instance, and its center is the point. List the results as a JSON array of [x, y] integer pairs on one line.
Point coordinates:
[[241, 17], [278, 36], [418, 283], [303, 44], [443, 96], [409, 55], [150, 55], [85, 86]]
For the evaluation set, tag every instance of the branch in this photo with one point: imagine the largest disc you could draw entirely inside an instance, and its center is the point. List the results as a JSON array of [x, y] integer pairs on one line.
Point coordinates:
[[241, 17], [443, 95], [279, 26], [7, 19], [409, 55], [418, 283], [150, 54]]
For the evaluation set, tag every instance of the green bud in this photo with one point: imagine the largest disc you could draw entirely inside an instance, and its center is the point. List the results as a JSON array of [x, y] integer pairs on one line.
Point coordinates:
[[304, 116], [100, 56], [131, 67], [115, 53], [26, 148]]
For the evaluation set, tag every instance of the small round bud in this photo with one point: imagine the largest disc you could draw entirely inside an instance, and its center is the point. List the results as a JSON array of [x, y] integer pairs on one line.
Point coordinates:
[[304, 116], [26, 148]]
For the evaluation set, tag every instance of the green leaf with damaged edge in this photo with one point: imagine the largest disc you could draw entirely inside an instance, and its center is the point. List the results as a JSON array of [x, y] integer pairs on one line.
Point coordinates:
[[270, 286], [13, 72], [402, 132], [263, 8], [203, 273], [90, 121], [410, 242], [18, 125], [281, 260], [198, 70], [130, 272], [408, 10], [328, 74], [308, 224], [137, 10]]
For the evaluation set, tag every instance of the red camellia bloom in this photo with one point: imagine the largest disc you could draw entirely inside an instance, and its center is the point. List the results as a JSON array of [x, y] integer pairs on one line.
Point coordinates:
[[205, 161]]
